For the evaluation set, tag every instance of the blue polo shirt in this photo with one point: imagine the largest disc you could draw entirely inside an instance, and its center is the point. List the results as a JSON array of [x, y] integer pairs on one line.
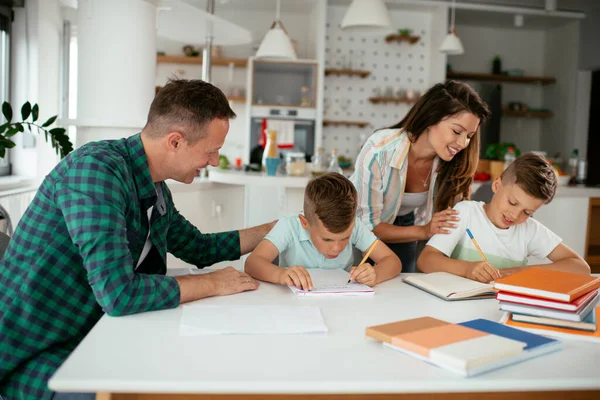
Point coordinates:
[[296, 248]]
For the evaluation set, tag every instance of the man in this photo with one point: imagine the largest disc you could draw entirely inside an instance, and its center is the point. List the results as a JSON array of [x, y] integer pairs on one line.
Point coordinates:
[[96, 235]]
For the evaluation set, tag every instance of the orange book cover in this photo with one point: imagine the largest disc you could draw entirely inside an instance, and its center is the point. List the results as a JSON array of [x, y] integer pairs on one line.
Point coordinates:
[[548, 284], [422, 341], [385, 332], [595, 335]]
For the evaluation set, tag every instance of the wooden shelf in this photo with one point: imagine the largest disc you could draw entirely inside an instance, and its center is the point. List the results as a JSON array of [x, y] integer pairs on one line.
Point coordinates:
[[236, 99], [360, 124], [349, 72], [376, 100], [219, 61], [542, 80], [402, 38], [527, 114]]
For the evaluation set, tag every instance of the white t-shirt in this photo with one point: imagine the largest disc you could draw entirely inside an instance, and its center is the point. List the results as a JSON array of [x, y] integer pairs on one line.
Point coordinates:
[[504, 248], [296, 248]]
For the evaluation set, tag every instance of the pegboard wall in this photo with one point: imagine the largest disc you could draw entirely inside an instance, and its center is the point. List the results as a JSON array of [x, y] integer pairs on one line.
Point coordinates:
[[394, 67]]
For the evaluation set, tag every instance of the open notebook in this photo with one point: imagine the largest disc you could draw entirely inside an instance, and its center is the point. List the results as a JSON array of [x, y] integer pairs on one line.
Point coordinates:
[[451, 287], [332, 282]]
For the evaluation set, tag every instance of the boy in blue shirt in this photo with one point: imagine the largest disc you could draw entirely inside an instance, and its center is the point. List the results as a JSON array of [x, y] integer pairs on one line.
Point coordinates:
[[503, 229], [322, 237]]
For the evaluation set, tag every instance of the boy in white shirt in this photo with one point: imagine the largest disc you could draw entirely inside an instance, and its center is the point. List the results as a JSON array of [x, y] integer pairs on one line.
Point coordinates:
[[503, 229], [323, 237]]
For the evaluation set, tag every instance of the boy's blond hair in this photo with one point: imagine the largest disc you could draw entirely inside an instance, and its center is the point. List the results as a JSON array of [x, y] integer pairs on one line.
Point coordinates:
[[534, 174], [332, 198]]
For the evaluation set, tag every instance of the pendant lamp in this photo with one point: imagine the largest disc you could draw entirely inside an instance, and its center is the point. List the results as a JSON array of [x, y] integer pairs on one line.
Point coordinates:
[[367, 16], [451, 44], [277, 43]]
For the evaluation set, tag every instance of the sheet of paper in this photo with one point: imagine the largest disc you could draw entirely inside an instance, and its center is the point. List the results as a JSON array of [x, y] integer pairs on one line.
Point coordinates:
[[332, 282], [198, 319]]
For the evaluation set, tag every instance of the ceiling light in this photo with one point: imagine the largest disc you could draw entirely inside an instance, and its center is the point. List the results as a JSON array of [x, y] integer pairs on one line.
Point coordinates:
[[367, 16], [276, 43], [451, 44]]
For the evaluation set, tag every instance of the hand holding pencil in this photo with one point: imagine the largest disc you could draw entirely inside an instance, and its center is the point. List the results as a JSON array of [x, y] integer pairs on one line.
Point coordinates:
[[364, 273], [481, 271]]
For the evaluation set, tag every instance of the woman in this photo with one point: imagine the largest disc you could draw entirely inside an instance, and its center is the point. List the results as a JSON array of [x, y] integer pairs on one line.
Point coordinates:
[[411, 174]]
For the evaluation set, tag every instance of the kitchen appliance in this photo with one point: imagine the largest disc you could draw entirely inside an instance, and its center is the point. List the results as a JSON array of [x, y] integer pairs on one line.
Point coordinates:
[[303, 125]]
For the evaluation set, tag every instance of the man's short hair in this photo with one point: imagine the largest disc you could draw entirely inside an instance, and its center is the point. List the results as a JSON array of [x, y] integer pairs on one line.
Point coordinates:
[[332, 198], [186, 106], [534, 174]]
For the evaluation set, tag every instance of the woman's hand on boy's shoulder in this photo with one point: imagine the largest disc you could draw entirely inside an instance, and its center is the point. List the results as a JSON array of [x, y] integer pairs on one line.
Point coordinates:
[[296, 276], [440, 222], [364, 273], [482, 271]]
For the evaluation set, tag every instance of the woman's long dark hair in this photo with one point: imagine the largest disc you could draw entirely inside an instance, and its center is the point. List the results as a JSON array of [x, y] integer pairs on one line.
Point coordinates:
[[441, 101]]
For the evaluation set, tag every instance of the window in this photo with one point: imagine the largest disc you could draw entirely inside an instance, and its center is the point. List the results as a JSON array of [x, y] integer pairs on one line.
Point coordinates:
[[4, 73]]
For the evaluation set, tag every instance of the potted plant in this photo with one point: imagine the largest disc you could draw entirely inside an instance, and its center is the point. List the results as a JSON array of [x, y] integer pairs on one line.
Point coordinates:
[[57, 137], [495, 152]]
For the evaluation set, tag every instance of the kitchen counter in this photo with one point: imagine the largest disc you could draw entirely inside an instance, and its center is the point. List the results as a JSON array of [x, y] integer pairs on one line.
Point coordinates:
[[234, 177]]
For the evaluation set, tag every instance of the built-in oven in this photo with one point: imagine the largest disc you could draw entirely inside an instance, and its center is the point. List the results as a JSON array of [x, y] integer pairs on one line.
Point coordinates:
[[295, 126]]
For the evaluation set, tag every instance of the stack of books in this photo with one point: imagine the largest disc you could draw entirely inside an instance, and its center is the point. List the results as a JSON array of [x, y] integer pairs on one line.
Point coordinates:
[[469, 348], [551, 302]]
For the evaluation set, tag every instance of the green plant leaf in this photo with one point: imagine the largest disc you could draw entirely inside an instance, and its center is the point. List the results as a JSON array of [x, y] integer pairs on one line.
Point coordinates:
[[7, 111], [3, 127], [34, 113], [25, 110], [49, 122], [57, 131], [20, 127], [12, 132], [2, 151], [9, 144]]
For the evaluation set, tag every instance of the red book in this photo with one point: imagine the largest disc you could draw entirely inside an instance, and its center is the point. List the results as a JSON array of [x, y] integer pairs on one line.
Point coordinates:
[[573, 306]]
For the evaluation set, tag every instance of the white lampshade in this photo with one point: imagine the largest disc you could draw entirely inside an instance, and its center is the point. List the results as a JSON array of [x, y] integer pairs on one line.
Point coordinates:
[[367, 16], [276, 44], [451, 44]]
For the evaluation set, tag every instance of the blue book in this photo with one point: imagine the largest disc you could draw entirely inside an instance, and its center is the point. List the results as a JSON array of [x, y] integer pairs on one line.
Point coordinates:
[[495, 328], [537, 345]]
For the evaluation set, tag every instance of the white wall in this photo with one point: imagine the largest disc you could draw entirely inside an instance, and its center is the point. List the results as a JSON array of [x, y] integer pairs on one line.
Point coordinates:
[[561, 59], [518, 48], [36, 39]]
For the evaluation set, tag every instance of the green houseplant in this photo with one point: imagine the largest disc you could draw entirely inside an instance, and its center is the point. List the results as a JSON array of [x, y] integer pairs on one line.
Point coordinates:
[[493, 162], [57, 137]]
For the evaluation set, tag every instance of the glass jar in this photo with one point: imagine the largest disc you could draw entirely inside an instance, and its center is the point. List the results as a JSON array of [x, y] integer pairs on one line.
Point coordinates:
[[295, 164]]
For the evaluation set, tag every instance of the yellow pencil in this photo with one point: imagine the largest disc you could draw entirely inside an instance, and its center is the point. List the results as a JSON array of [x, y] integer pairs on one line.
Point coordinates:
[[476, 245], [368, 254]]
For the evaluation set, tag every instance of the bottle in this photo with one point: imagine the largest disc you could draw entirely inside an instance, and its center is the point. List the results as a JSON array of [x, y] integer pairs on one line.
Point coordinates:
[[572, 168], [270, 159], [317, 164], [334, 163], [509, 157], [581, 171]]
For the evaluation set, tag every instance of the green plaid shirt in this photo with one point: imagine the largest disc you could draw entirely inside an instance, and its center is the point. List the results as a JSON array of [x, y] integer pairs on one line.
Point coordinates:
[[73, 257]]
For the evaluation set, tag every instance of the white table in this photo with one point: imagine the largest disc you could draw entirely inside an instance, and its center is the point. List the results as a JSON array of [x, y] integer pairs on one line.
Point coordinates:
[[145, 354]]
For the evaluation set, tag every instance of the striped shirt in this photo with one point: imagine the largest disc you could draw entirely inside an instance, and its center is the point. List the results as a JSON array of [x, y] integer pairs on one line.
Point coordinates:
[[73, 257], [380, 179]]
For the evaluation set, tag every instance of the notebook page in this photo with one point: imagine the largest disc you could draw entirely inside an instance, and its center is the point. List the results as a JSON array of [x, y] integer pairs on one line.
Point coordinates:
[[332, 282], [449, 285]]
